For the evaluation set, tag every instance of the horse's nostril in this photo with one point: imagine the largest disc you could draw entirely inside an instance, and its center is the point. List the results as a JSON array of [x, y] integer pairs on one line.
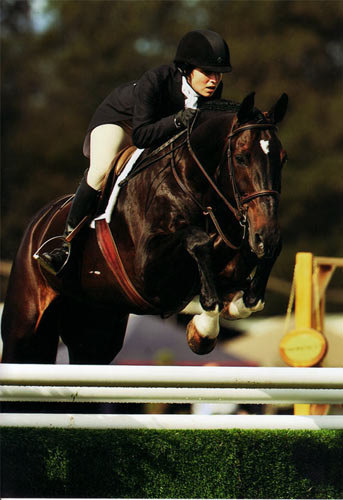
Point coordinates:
[[259, 245], [259, 242]]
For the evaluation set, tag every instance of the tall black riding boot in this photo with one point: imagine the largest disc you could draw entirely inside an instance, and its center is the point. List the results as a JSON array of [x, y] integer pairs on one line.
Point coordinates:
[[84, 204]]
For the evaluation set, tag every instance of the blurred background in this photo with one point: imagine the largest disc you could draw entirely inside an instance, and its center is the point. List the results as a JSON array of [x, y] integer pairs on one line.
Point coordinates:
[[59, 59]]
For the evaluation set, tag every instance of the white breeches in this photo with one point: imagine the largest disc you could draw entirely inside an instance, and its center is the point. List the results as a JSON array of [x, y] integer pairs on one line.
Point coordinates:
[[105, 142]]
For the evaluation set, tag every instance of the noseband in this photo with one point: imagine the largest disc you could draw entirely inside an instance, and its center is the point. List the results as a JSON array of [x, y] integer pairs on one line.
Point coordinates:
[[240, 211]]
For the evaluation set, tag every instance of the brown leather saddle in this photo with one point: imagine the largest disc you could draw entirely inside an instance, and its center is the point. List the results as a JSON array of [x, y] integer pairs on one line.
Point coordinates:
[[118, 164]]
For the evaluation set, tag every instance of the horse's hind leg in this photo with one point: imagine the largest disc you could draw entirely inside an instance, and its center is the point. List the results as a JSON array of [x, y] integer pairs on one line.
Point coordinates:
[[25, 341], [92, 335], [28, 326], [28, 344]]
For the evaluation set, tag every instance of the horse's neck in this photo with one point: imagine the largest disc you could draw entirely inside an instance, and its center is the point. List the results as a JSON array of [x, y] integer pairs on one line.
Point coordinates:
[[209, 140]]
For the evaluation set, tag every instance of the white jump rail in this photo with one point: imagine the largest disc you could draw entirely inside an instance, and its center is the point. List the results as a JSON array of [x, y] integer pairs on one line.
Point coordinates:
[[170, 376], [172, 422], [147, 384], [143, 384], [62, 394]]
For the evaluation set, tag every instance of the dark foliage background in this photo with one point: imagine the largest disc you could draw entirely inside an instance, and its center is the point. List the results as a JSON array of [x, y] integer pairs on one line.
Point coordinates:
[[60, 61]]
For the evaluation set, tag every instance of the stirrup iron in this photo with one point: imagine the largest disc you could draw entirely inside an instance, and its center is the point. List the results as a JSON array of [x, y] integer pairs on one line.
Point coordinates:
[[42, 262]]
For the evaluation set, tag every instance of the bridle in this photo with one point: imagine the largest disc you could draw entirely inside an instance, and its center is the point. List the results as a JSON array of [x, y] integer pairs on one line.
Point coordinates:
[[242, 200], [240, 210]]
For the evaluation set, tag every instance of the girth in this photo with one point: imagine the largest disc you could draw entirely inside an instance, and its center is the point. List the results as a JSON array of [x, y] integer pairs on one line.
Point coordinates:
[[111, 255]]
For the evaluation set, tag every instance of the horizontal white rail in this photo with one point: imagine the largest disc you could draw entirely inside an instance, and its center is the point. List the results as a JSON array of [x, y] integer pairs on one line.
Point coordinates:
[[170, 376], [174, 422], [169, 395]]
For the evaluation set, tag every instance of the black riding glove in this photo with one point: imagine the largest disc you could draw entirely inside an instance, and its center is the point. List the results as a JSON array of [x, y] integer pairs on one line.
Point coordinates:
[[183, 117]]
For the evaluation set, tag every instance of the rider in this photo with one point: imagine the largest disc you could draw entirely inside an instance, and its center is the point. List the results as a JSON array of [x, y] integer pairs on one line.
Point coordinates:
[[146, 112]]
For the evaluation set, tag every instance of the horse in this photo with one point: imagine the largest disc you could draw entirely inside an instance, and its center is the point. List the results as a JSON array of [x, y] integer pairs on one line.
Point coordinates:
[[197, 218]]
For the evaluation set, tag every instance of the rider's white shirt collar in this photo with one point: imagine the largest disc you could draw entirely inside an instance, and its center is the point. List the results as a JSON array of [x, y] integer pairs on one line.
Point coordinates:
[[191, 97]]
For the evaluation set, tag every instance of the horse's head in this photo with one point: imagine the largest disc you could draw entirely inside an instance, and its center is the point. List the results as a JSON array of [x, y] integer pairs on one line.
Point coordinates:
[[255, 159]]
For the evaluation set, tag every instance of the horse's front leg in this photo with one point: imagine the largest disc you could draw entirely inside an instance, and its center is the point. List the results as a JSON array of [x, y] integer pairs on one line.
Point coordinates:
[[165, 262], [242, 304], [203, 330], [257, 287], [200, 247], [236, 308]]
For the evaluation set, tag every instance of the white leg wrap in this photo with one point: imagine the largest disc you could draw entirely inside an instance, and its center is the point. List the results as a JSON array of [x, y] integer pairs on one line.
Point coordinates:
[[207, 323], [194, 307], [238, 310]]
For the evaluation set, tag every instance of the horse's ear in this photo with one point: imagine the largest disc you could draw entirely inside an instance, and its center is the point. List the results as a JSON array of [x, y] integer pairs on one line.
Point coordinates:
[[278, 111], [246, 108]]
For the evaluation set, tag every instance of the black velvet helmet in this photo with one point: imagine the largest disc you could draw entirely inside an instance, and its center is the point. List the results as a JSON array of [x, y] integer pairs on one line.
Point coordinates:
[[204, 49]]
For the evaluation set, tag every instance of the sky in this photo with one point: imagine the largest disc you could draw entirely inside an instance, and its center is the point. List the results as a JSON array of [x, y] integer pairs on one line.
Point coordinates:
[[40, 18]]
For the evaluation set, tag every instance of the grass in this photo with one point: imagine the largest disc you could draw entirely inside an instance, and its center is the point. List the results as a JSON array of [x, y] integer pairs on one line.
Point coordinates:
[[171, 464]]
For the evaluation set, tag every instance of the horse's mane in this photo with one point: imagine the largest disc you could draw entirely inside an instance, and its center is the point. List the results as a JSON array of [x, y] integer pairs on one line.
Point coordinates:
[[220, 105], [226, 106]]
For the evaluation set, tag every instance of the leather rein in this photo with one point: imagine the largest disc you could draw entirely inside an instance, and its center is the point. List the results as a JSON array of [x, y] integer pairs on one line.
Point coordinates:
[[240, 210]]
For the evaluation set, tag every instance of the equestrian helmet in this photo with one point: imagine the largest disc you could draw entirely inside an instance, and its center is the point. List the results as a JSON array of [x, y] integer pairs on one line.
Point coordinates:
[[204, 49]]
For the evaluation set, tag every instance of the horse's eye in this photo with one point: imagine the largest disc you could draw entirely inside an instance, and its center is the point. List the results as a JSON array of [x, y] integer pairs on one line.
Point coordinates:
[[240, 159]]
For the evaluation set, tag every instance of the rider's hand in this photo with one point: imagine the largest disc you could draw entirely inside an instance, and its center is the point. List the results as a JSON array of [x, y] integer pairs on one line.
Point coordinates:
[[183, 117]]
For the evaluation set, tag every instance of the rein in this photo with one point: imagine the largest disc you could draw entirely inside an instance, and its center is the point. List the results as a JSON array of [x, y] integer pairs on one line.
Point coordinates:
[[142, 165], [208, 210]]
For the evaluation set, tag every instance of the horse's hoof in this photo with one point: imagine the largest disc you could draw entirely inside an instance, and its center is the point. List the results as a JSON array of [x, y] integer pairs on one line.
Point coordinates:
[[198, 343]]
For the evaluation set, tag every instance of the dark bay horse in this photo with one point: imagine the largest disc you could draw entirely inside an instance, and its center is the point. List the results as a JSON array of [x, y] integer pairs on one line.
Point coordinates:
[[198, 218]]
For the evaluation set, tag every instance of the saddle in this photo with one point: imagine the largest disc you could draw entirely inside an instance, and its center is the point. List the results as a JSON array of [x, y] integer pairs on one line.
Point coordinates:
[[117, 166]]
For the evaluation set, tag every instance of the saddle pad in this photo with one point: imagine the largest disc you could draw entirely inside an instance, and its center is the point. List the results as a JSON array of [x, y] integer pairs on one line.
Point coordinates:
[[115, 192]]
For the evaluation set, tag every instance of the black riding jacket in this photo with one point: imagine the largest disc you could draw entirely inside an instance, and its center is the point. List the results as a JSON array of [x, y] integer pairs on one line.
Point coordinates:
[[146, 107]]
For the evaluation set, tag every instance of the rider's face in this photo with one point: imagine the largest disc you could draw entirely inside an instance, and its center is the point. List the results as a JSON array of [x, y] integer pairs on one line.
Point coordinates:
[[204, 82]]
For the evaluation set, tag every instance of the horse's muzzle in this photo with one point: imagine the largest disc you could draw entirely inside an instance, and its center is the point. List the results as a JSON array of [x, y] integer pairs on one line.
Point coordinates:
[[265, 242]]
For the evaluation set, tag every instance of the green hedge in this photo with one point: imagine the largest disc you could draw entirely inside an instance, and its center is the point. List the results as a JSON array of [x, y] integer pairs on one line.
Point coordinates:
[[171, 464]]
